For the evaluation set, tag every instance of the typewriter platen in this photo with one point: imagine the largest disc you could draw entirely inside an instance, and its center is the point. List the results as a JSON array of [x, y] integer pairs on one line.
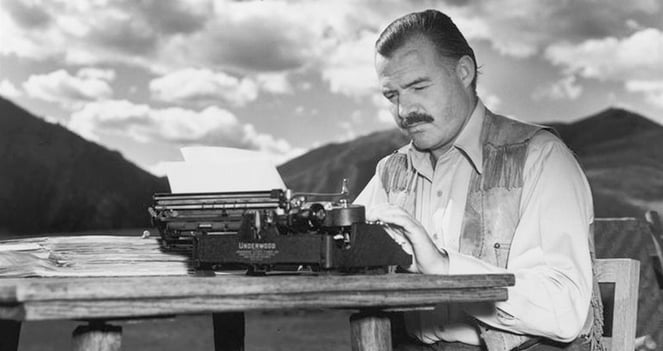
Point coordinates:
[[271, 230]]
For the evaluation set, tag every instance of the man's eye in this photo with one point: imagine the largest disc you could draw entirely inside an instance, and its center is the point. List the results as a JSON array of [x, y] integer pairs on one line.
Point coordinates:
[[420, 87]]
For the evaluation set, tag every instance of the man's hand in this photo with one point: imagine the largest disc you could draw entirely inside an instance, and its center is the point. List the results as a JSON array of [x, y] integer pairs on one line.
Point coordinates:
[[428, 259]]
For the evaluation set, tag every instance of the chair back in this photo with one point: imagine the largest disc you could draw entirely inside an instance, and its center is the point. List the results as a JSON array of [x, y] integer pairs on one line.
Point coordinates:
[[619, 280]]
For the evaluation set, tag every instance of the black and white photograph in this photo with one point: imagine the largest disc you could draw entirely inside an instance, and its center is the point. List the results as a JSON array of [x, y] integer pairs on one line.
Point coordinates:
[[359, 175]]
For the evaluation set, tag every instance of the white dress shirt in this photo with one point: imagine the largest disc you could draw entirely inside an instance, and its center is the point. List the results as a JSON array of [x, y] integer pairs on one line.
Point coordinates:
[[549, 255]]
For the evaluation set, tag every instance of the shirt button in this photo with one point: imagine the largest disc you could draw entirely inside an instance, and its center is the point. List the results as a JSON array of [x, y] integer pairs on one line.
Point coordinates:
[[439, 193], [497, 245]]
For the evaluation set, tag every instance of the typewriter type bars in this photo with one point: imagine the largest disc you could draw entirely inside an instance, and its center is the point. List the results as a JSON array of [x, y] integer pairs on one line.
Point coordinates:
[[178, 217]]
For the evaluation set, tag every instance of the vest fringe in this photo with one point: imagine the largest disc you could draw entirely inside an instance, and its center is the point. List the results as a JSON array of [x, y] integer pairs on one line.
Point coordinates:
[[504, 166], [595, 335], [394, 174]]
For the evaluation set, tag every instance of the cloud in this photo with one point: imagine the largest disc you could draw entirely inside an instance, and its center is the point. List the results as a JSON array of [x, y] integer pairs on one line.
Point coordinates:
[[522, 28], [489, 99], [653, 90], [349, 68], [279, 149], [275, 83], [251, 37], [637, 56], [173, 16], [27, 14], [159, 169], [96, 73], [382, 106], [192, 84], [204, 85], [275, 36], [9, 90], [386, 117], [87, 33], [176, 126], [492, 102], [162, 36], [565, 88], [60, 87], [634, 60]]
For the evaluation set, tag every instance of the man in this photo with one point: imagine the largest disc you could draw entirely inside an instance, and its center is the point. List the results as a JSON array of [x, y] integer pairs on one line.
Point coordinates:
[[475, 192]]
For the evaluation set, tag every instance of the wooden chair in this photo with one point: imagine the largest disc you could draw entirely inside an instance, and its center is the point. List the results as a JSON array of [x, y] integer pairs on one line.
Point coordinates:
[[619, 280]]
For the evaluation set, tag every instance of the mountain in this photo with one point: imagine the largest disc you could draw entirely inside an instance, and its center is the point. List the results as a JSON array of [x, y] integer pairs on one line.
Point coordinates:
[[618, 149], [52, 180], [620, 152], [323, 169]]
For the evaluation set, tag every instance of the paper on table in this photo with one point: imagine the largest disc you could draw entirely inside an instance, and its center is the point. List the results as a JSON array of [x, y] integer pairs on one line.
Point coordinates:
[[218, 169]]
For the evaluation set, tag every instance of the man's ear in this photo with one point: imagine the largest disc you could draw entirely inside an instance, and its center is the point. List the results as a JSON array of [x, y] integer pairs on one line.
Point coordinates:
[[465, 70]]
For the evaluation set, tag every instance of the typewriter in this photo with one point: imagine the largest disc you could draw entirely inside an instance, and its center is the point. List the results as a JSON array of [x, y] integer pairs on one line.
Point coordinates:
[[277, 230]]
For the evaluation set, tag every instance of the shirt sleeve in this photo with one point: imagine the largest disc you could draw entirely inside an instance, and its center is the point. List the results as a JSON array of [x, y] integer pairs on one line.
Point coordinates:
[[550, 250], [373, 193]]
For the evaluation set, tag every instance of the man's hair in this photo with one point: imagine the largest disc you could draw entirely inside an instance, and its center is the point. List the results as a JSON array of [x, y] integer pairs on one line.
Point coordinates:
[[433, 25]]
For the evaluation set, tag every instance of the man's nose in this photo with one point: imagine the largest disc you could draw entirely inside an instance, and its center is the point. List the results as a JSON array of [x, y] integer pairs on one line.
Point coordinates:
[[405, 108]]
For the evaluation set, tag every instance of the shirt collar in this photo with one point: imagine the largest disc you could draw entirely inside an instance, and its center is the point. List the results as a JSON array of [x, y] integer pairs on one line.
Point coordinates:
[[468, 143], [469, 139]]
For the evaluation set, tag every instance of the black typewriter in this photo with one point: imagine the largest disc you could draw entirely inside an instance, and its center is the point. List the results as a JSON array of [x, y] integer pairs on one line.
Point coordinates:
[[264, 231]]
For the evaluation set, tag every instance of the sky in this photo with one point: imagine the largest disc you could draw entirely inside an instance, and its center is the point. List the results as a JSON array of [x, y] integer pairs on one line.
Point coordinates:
[[147, 77]]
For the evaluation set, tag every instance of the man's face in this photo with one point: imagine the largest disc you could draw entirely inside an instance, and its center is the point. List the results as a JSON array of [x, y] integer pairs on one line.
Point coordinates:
[[429, 100]]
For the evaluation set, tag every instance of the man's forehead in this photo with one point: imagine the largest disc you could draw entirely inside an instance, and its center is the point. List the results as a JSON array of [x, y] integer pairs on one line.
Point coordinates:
[[416, 53], [403, 67], [417, 46]]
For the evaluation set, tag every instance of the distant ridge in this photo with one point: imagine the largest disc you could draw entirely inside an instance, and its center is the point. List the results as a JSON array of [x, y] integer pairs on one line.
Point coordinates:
[[619, 150], [52, 180], [323, 169], [606, 126]]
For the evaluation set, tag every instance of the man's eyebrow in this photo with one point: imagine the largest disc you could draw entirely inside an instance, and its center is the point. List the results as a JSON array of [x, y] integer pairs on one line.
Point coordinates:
[[416, 81]]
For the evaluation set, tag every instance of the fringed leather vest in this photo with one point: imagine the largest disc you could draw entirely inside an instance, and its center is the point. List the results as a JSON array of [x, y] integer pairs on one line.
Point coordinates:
[[491, 211]]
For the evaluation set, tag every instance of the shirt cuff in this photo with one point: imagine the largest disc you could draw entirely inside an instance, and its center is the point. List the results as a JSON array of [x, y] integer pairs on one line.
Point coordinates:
[[465, 264]]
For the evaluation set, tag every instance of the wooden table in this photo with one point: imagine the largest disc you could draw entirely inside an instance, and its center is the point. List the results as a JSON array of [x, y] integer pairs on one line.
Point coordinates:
[[102, 300]]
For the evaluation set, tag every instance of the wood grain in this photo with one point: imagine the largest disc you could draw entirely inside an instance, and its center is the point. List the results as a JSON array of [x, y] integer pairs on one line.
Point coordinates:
[[625, 273], [97, 337], [654, 221], [15, 290], [370, 331], [143, 307]]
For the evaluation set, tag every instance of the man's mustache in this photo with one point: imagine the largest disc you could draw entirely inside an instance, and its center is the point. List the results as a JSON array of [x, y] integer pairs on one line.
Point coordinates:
[[413, 118]]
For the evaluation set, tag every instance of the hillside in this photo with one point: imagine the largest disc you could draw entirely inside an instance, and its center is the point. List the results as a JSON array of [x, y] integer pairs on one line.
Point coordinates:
[[52, 180], [323, 169], [618, 150]]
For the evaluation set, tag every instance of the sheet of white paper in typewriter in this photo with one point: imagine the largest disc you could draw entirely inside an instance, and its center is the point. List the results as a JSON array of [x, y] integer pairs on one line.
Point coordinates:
[[222, 169]]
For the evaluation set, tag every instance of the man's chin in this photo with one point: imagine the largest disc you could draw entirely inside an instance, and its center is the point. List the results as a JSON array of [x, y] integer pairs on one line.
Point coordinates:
[[421, 145]]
